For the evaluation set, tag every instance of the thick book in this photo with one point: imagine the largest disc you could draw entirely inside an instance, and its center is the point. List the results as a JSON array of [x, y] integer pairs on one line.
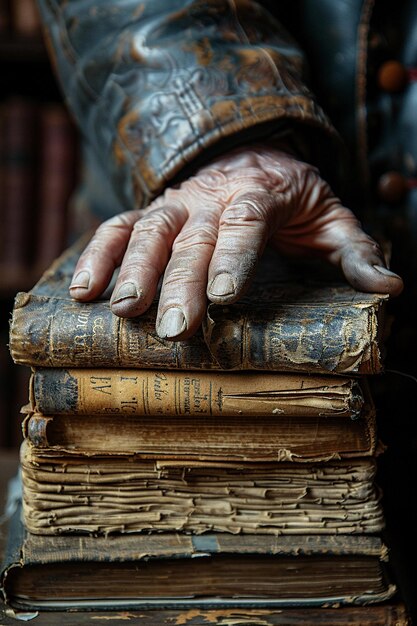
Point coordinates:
[[174, 570], [393, 613], [291, 320], [103, 496], [204, 437]]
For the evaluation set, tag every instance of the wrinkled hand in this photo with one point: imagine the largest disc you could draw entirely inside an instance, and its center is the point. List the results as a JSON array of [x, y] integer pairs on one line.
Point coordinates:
[[208, 234]]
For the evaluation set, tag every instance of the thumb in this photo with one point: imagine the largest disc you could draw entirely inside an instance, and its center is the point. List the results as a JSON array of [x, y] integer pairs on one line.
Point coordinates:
[[364, 267], [322, 226]]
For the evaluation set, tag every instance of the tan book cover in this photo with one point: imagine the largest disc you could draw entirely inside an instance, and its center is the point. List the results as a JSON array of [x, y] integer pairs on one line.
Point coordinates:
[[87, 391]]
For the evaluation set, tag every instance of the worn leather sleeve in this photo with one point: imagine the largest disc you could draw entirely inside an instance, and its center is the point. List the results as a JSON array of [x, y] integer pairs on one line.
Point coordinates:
[[158, 85]]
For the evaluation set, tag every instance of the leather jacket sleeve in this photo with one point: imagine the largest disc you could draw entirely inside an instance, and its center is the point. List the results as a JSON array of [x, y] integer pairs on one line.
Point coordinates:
[[158, 85]]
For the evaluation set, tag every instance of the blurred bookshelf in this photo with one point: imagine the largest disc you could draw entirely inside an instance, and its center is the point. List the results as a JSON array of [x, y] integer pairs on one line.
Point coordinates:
[[38, 173]]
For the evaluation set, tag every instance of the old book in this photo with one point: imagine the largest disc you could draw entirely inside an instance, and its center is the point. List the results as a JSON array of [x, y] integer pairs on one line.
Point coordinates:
[[172, 570], [60, 391], [4, 16], [393, 613], [205, 437], [102, 496], [18, 182], [290, 321], [25, 18], [18, 393], [57, 162]]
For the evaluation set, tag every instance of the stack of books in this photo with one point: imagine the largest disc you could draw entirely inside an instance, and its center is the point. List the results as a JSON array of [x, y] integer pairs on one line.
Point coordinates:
[[251, 446]]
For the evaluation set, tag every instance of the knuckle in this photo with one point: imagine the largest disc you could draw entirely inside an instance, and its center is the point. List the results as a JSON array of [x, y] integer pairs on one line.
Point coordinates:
[[171, 200], [181, 275], [111, 233], [96, 247], [251, 208], [147, 267], [158, 222], [201, 235], [209, 179], [310, 182], [122, 220]]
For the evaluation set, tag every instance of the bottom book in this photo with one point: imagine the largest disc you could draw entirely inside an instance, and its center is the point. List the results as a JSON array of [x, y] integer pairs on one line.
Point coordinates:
[[173, 570], [387, 614]]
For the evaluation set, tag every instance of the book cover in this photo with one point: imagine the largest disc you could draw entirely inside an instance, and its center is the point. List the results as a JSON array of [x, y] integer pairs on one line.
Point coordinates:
[[174, 570], [288, 322]]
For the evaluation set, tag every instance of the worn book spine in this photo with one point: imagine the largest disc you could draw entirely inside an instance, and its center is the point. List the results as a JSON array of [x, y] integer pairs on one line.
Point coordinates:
[[290, 324], [55, 332], [164, 392], [198, 438]]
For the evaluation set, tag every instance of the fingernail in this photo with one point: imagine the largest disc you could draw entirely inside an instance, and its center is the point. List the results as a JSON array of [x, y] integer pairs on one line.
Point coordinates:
[[222, 285], [385, 271], [125, 291], [172, 323], [81, 280]]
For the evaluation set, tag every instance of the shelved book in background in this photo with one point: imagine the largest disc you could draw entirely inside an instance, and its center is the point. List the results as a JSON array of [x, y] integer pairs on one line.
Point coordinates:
[[4, 17], [57, 163], [38, 154], [25, 18], [18, 167]]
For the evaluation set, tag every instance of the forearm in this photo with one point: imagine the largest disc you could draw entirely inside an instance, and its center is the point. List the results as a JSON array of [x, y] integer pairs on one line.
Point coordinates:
[[163, 84]]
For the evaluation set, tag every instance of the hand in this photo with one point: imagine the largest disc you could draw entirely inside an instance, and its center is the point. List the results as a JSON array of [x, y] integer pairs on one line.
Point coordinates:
[[208, 234]]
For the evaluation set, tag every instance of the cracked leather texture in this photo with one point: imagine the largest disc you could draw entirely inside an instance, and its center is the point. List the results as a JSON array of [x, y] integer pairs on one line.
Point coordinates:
[[156, 85]]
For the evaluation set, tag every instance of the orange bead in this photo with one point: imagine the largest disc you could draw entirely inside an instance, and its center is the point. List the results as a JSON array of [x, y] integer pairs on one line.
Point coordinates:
[[392, 187], [392, 76]]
